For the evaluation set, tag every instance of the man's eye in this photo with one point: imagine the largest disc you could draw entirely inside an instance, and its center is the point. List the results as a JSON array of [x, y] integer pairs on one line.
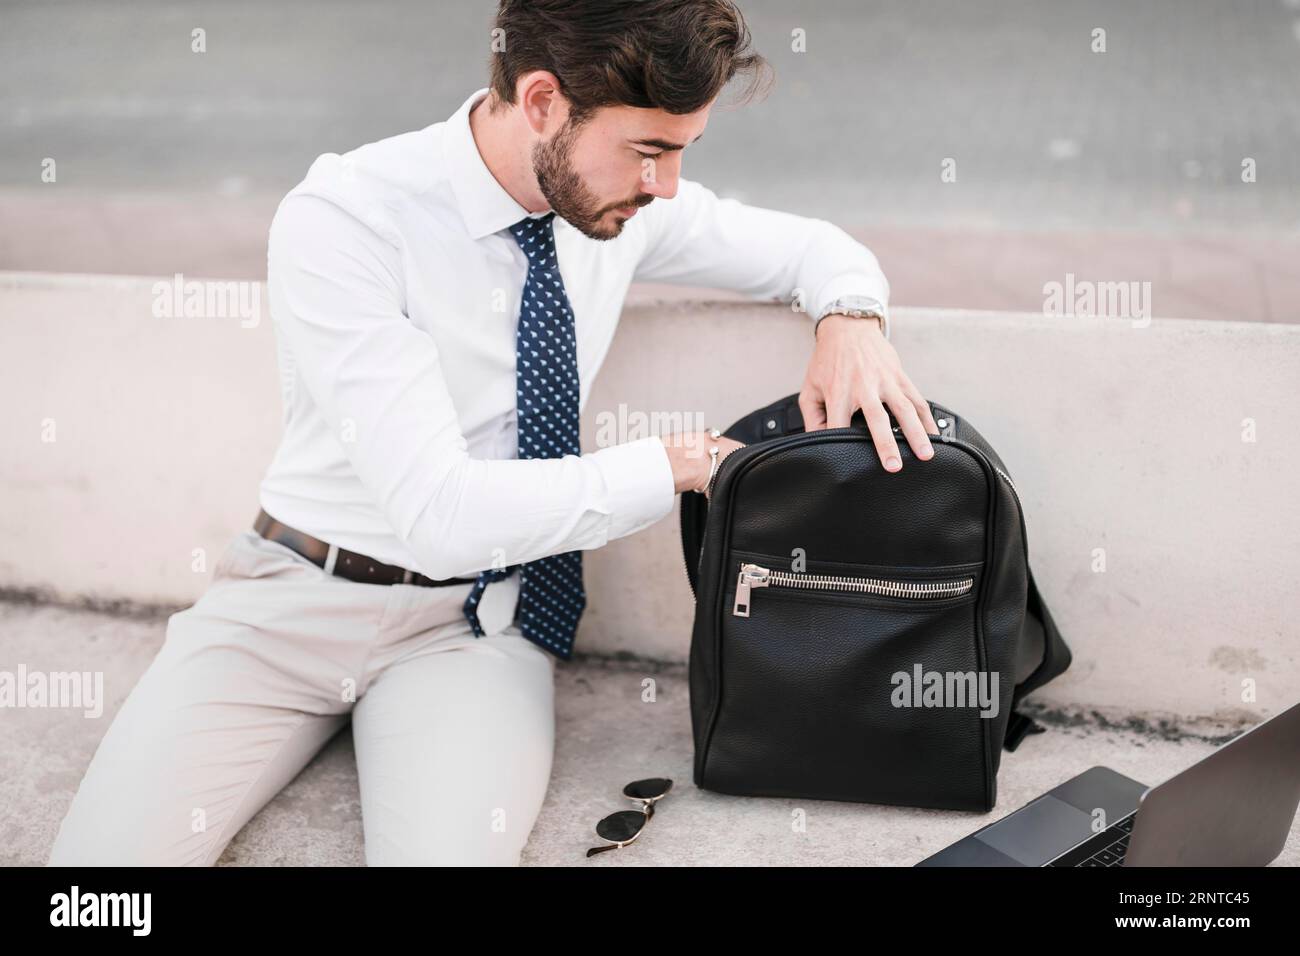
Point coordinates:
[[648, 155]]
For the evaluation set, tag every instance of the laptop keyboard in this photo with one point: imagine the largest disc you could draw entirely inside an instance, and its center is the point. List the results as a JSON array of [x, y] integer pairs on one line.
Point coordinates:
[[1107, 848]]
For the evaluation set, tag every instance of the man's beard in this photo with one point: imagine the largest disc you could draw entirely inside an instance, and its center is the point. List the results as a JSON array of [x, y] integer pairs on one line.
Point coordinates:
[[564, 189]]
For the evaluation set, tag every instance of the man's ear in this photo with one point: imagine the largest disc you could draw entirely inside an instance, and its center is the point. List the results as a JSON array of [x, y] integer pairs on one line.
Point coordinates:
[[542, 104]]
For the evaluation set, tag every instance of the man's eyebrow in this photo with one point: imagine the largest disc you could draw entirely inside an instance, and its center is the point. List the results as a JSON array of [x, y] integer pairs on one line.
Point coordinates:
[[663, 143]]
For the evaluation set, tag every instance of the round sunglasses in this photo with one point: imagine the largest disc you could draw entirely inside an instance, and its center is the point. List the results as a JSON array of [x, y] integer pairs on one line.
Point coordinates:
[[623, 826]]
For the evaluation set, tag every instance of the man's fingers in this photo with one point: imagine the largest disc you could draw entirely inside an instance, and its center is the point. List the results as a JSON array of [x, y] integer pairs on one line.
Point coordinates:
[[814, 412], [910, 422], [839, 409], [922, 406], [881, 432]]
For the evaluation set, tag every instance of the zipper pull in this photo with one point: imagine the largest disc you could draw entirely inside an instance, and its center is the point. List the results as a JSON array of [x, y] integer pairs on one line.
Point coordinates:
[[751, 576]]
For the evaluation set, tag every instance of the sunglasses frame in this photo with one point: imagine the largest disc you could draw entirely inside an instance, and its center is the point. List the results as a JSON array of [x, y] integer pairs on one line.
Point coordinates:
[[647, 808]]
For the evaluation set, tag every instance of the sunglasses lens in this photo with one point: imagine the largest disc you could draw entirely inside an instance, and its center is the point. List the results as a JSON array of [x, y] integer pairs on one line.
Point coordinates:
[[621, 826], [649, 789]]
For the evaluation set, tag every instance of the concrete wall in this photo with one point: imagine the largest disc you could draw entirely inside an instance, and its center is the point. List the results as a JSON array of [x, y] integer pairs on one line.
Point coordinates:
[[1123, 439]]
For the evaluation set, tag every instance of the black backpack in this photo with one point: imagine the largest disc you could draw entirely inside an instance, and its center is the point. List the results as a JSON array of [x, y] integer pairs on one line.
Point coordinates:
[[849, 621]]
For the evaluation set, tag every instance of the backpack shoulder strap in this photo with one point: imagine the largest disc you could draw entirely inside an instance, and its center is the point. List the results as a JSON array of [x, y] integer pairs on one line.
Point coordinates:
[[1056, 658]]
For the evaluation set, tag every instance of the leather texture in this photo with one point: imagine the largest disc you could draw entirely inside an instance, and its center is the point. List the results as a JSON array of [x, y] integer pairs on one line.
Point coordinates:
[[797, 699]]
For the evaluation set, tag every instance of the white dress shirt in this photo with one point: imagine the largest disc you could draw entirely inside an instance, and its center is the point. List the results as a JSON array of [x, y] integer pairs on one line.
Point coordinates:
[[394, 288]]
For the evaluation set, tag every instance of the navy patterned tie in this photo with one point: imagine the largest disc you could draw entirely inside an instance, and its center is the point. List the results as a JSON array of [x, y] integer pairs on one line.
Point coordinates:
[[551, 596]]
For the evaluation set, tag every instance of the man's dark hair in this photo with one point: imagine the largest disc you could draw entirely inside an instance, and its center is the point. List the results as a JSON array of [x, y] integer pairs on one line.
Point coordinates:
[[673, 55]]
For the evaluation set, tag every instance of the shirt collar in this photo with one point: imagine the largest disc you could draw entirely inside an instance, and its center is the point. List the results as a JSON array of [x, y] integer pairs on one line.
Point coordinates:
[[484, 203]]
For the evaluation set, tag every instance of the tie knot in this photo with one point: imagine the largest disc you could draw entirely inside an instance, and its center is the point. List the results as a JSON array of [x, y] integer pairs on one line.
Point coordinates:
[[534, 234]]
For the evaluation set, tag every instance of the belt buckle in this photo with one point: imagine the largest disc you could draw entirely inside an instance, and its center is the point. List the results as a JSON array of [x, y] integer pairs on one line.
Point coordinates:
[[407, 575]]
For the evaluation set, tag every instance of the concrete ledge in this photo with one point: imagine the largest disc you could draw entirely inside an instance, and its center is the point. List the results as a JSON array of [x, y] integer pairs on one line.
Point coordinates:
[[1125, 442]]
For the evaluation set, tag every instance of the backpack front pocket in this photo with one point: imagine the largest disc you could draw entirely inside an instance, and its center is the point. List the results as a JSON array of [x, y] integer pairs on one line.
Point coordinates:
[[821, 678]]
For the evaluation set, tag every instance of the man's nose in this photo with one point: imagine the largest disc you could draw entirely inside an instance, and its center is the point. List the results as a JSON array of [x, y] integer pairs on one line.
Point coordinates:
[[661, 179]]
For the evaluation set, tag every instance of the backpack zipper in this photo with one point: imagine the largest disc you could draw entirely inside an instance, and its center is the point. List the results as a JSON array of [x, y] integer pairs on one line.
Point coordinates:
[[754, 576]]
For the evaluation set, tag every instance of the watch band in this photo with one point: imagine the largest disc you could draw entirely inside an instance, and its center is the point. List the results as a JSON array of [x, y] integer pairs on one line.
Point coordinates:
[[861, 307]]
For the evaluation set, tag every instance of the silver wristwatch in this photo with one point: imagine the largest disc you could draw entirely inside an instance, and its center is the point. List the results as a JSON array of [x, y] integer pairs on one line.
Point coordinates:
[[859, 306]]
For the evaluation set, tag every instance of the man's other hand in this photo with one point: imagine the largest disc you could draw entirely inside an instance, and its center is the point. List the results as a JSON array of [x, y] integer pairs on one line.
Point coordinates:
[[853, 366]]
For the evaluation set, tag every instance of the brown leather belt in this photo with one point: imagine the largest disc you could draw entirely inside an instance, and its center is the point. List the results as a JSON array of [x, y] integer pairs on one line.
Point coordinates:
[[347, 564]]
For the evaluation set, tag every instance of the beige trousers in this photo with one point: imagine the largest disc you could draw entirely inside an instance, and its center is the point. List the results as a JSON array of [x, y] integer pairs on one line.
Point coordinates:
[[454, 734]]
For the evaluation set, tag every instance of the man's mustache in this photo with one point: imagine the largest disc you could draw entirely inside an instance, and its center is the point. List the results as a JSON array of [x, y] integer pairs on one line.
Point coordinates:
[[643, 201]]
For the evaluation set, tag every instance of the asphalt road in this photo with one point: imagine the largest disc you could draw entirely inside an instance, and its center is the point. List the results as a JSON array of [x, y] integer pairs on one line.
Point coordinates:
[[1149, 135]]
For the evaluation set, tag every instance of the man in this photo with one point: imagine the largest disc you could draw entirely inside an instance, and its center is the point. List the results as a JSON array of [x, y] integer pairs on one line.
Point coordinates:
[[442, 301]]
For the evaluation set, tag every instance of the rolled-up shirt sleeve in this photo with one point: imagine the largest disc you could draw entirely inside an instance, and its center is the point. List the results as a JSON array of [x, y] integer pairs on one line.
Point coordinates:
[[698, 239], [337, 303]]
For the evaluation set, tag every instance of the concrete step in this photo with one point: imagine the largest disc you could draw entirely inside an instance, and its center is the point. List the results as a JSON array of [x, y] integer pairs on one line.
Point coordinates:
[[606, 735]]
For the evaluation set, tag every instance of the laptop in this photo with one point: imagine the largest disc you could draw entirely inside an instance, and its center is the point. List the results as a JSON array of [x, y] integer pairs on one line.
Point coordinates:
[[1233, 808]]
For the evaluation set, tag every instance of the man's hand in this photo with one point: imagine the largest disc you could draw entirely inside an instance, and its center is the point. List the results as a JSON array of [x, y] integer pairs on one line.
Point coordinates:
[[688, 455], [853, 366], [725, 447]]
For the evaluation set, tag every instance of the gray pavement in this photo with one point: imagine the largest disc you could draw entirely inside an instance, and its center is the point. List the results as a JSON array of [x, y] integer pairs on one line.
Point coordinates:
[[1115, 166], [1046, 133], [605, 736]]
